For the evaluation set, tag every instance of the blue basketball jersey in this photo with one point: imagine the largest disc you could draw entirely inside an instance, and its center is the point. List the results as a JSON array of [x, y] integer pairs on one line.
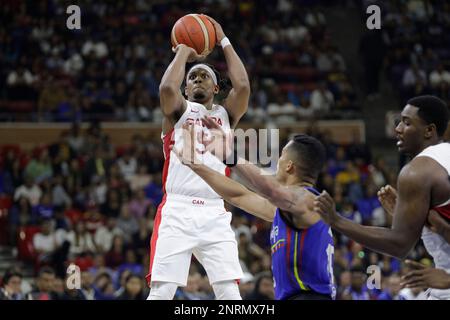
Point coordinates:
[[302, 259]]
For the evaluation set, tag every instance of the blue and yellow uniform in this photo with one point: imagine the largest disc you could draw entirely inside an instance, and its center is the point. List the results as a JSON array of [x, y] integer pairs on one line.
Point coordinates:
[[302, 259]]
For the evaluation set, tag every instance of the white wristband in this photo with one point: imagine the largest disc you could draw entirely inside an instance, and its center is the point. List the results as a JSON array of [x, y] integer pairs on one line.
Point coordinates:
[[225, 42]]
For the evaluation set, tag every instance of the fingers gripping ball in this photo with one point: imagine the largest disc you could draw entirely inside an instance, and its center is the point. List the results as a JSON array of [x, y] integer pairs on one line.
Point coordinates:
[[195, 31]]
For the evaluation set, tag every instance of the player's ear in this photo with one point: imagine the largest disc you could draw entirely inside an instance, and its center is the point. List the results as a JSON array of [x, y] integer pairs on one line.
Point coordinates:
[[290, 166], [216, 89], [429, 130]]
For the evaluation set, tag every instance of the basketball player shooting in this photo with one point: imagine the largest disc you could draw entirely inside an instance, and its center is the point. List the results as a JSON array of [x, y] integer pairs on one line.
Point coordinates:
[[423, 184], [191, 219]]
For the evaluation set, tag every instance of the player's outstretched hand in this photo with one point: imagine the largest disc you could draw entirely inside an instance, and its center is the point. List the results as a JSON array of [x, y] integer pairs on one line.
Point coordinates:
[[188, 154], [325, 206], [193, 55], [219, 142], [387, 196], [219, 31], [425, 277]]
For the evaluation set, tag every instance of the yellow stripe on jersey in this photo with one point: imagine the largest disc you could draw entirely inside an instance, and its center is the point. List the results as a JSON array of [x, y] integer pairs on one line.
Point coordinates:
[[300, 283], [276, 243]]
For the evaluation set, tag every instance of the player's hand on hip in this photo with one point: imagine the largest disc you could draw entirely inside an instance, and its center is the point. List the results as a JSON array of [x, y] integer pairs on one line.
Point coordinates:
[[425, 277], [188, 154], [387, 196], [219, 31], [325, 206], [192, 54], [219, 142]]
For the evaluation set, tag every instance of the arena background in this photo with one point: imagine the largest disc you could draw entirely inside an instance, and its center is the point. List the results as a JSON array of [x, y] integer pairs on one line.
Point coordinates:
[[80, 149]]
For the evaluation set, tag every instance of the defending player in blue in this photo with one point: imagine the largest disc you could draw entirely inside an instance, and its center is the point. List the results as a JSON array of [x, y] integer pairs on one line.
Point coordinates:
[[302, 244]]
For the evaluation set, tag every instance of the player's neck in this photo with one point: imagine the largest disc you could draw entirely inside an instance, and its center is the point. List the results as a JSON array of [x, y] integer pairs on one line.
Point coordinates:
[[294, 181], [430, 143], [208, 105]]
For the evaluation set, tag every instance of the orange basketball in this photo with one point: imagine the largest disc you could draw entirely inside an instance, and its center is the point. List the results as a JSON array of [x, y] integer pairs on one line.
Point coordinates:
[[195, 31]]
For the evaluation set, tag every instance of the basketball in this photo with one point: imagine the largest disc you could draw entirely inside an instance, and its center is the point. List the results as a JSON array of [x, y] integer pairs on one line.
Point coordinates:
[[195, 31]]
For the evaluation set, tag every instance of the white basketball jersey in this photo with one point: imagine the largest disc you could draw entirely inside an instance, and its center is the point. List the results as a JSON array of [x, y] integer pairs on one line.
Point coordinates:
[[180, 179], [437, 246]]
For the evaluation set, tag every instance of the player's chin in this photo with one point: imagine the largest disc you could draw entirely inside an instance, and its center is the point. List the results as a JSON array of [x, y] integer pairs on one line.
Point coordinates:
[[199, 96]]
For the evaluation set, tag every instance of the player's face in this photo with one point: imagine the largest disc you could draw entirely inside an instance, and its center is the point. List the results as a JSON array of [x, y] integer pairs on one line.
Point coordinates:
[[410, 131], [284, 163], [200, 86]]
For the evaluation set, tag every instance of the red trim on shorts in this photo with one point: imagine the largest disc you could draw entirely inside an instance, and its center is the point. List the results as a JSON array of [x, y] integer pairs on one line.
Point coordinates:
[[154, 238], [167, 142]]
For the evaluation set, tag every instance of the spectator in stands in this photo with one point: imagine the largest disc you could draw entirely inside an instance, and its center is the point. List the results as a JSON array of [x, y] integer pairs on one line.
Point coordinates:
[[134, 289], [191, 291], [113, 204], [131, 263], [438, 76], [140, 238], [44, 289], [19, 215], [263, 288], [47, 242], [357, 289], [87, 289], [127, 164], [322, 100], [30, 190], [368, 204], [139, 205], [414, 75], [127, 223], [40, 167], [103, 286], [11, 285], [104, 235], [280, 110], [81, 241], [20, 84], [60, 197], [391, 292], [114, 257], [44, 210]]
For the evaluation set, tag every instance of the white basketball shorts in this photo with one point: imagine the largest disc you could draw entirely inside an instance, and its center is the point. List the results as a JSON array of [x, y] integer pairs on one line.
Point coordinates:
[[185, 226]]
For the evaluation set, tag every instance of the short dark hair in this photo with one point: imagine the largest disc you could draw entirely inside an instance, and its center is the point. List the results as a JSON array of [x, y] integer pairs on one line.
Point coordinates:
[[311, 153], [46, 270], [10, 273], [432, 110]]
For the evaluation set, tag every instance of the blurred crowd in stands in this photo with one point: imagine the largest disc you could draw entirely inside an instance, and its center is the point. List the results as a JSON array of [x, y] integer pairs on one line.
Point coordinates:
[[412, 48], [111, 68], [85, 201]]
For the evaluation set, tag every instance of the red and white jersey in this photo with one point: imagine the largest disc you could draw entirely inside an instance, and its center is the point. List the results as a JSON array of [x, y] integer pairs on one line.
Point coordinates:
[[436, 246], [178, 178]]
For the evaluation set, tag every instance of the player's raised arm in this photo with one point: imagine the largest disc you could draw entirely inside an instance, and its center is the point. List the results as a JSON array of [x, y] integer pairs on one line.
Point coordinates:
[[236, 102], [170, 95], [409, 215]]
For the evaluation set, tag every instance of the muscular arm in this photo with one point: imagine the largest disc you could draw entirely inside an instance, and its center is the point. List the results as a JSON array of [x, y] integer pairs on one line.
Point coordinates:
[[236, 102], [235, 193], [170, 96], [281, 196], [409, 216]]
